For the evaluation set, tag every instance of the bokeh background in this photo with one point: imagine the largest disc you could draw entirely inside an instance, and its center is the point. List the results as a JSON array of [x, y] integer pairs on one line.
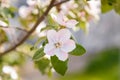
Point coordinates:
[[102, 60]]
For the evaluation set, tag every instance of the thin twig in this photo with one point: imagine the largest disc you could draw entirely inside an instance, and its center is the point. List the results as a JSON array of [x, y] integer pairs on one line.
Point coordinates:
[[59, 3], [17, 28]]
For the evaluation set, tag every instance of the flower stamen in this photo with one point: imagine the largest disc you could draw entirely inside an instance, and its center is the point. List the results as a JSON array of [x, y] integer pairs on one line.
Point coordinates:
[[57, 45]]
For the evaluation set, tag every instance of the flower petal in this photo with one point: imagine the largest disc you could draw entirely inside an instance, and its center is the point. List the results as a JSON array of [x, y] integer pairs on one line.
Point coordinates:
[[51, 34], [61, 55], [59, 18], [68, 46], [49, 49], [64, 34], [71, 23]]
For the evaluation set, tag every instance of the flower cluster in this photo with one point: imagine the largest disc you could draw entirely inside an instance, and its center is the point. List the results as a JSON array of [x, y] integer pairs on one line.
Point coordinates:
[[25, 11], [32, 7]]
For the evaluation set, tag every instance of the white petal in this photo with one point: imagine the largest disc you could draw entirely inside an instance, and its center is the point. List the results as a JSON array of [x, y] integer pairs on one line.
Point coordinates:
[[24, 11], [71, 23], [2, 23], [49, 49], [53, 16], [64, 34], [51, 36], [60, 19], [31, 2], [68, 46], [61, 55]]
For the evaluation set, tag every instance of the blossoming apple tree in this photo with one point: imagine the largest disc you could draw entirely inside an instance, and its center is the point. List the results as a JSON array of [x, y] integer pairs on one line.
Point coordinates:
[[41, 29]]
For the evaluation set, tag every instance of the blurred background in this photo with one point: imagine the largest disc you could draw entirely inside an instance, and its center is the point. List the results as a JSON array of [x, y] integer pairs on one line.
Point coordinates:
[[102, 60]]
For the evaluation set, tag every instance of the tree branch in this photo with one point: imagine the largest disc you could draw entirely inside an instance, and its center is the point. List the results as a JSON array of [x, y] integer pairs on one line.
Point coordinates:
[[34, 27], [59, 3], [31, 31], [17, 28]]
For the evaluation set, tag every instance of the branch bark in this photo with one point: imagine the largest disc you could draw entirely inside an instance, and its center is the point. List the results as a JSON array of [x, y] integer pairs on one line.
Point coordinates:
[[59, 3], [52, 4]]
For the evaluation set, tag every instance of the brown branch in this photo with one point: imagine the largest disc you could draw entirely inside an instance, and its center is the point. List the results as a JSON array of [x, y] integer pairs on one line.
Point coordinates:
[[31, 31], [34, 27], [59, 3]]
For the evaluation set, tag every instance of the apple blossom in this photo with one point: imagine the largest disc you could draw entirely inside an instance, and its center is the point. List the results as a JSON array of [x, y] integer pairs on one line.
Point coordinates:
[[62, 20], [59, 44]]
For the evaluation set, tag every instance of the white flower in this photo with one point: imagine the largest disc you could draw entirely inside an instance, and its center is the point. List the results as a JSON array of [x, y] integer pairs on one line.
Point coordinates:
[[32, 2], [59, 44], [61, 19], [11, 71], [66, 7], [5, 3], [94, 8], [24, 11]]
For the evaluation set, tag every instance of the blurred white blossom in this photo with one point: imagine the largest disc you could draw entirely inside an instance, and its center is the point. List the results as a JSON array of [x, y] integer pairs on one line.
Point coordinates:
[[66, 7], [25, 11], [10, 71], [5, 3], [32, 2], [93, 8], [38, 29], [2, 23]]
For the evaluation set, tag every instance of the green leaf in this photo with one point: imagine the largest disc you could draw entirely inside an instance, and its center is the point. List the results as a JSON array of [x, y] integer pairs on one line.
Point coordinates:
[[14, 58], [38, 54], [46, 28], [43, 65], [51, 22], [117, 7], [79, 50], [106, 6], [40, 40], [3, 36], [83, 26], [59, 66]]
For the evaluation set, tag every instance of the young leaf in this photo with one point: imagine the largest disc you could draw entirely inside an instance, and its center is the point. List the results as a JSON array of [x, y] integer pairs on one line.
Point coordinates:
[[117, 7], [38, 54], [41, 39], [51, 22], [59, 66], [79, 50], [106, 6], [3, 36], [42, 65], [83, 26]]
